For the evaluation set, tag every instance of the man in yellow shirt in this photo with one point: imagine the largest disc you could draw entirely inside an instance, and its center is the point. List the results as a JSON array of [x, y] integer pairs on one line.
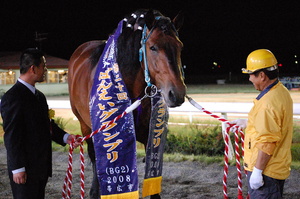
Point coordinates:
[[269, 128]]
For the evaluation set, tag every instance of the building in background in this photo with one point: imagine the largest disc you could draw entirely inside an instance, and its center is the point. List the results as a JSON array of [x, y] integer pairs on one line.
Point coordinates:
[[56, 79]]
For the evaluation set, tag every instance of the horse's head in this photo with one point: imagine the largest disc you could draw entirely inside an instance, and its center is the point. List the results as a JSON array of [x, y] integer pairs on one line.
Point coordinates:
[[159, 51], [163, 50]]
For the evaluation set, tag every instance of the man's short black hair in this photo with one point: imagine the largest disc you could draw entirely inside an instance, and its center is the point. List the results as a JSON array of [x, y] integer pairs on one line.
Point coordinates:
[[29, 57]]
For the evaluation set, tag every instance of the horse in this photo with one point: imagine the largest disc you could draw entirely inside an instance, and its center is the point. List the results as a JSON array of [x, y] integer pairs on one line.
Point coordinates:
[[164, 64]]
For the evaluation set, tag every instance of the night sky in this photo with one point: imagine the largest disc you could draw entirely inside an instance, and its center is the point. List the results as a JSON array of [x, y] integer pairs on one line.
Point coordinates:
[[224, 32]]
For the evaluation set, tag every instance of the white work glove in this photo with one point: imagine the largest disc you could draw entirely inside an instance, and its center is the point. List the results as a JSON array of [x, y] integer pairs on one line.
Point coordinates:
[[256, 179], [241, 123]]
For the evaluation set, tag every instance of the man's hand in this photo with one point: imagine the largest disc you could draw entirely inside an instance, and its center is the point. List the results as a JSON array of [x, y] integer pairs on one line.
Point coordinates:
[[256, 179], [241, 123], [72, 138], [20, 178]]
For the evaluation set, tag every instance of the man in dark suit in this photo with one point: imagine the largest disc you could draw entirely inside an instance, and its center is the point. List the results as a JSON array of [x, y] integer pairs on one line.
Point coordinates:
[[28, 131]]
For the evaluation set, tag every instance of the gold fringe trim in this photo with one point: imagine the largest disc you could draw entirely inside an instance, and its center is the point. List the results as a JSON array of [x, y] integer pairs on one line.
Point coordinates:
[[152, 186], [129, 195]]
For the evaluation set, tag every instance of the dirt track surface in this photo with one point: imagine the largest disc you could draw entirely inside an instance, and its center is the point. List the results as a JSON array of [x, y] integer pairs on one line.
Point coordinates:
[[181, 180]]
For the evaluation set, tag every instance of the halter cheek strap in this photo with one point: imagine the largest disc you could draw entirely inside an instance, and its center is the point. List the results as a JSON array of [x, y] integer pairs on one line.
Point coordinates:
[[143, 55], [143, 52]]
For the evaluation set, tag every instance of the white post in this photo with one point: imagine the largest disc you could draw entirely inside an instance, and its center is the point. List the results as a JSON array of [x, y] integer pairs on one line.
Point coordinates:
[[230, 147], [191, 117]]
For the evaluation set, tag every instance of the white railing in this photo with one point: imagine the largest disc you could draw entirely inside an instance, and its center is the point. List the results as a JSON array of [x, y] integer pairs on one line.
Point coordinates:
[[224, 108]]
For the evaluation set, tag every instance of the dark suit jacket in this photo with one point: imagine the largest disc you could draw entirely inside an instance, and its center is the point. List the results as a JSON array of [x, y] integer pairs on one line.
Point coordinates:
[[27, 134]]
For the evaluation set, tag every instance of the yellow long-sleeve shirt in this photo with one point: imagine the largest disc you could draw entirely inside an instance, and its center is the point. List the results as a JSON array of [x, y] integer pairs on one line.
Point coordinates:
[[270, 129]]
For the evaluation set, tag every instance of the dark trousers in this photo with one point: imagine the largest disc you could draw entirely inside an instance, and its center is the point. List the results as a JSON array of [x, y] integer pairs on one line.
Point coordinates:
[[272, 188], [32, 189]]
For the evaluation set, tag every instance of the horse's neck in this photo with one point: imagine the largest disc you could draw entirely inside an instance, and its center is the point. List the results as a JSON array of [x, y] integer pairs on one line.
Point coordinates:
[[135, 84]]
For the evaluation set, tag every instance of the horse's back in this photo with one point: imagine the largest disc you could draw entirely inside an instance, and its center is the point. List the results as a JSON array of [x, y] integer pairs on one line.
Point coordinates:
[[81, 57], [80, 78]]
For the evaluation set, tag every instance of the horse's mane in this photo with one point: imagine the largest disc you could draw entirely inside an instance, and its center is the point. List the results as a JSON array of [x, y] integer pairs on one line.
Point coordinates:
[[129, 42], [95, 55]]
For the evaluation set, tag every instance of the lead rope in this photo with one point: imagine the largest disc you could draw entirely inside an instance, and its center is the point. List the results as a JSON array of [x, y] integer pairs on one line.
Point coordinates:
[[67, 187], [237, 158], [237, 148]]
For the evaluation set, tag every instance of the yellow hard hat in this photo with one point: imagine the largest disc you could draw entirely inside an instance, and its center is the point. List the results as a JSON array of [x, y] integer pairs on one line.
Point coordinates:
[[260, 59]]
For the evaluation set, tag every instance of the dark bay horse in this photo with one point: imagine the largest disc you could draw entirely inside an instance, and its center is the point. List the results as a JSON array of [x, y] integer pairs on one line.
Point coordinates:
[[163, 49]]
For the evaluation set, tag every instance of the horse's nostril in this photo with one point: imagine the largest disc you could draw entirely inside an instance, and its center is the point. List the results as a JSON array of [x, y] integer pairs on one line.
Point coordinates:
[[175, 99], [172, 97]]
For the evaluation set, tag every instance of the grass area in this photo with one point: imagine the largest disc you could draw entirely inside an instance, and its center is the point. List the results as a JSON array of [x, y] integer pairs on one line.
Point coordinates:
[[295, 165], [73, 126]]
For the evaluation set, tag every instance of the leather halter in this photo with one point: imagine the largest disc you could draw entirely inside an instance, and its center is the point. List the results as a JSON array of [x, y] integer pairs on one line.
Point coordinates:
[[143, 51]]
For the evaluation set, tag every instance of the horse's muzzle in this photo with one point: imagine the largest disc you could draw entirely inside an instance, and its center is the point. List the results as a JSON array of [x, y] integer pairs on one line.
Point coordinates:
[[175, 99]]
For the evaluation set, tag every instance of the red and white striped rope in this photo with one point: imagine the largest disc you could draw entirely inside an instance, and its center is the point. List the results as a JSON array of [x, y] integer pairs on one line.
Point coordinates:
[[67, 187], [66, 192], [226, 163], [226, 140], [238, 164], [81, 172]]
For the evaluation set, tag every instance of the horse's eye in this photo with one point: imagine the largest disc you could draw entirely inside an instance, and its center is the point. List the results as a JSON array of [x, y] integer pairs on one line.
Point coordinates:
[[153, 48]]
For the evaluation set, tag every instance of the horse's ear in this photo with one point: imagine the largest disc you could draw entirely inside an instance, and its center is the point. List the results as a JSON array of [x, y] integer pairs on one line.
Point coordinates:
[[178, 21], [149, 19]]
